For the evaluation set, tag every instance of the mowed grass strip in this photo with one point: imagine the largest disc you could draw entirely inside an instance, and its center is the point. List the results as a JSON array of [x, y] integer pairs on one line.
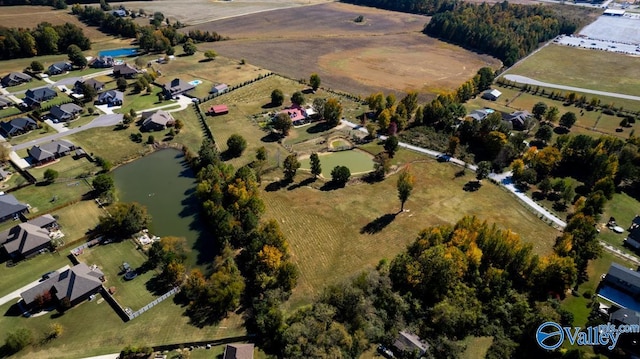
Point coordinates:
[[75, 220], [111, 144], [326, 229], [572, 66], [27, 271], [44, 197]]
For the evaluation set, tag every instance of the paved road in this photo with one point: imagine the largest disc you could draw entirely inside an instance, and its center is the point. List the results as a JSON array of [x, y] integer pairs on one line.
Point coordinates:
[[106, 356], [101, 121], [16, 293], [530, 81]]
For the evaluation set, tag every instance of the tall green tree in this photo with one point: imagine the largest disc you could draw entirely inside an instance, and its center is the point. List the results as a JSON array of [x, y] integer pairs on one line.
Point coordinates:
[[236, 144], [391, 145], [290, 167], [314, 81], [404, 185], [76, 56], [483, 170], [539, 109], [50, 175], [189, 47], [277, 97], [568, 119], [297, 98], [340, 175], [282, 122], [332, 112], [316, 168]]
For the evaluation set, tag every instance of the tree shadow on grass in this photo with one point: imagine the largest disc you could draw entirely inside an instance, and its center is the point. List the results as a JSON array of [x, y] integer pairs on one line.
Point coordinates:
[[302, 183], [332, 186], [472, 186], [157, 286], [270, 137], [276, 186], [269, 105], [319, 127], [378, 224]]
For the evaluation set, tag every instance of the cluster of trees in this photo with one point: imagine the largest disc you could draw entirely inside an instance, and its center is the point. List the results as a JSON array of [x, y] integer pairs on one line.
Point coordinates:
[[231, 207], [44, 39], [58, 4], [453, 281], [123, 220], [392, 116], [106, 21]]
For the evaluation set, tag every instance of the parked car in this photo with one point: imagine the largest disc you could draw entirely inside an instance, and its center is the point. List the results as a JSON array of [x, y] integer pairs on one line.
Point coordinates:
[[385, 352], [48, 275]]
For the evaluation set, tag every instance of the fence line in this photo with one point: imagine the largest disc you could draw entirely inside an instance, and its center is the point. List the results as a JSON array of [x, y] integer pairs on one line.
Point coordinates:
[[153, 303]]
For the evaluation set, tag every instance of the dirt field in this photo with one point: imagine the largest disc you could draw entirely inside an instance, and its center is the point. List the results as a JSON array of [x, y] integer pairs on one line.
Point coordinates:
[[387, 52], [198, 11], [30, 16]]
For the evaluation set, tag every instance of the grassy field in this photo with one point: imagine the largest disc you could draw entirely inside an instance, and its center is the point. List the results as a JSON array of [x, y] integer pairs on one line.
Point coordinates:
[[141, 101], [191, 133], [13, 278], [476, 347], [27, 85], [357, 161], [109, 259], [161, 325], [77, 219], [67, 167], [45, 130], [43, 198], [388, 54], [335, 234], [109, 143], [9, 112], [623, 208], [573, 66]]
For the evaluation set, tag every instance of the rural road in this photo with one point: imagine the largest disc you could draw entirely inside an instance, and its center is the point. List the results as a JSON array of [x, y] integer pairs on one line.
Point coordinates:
[[106, 356], [101, 121], [16, 293], [530, 81]]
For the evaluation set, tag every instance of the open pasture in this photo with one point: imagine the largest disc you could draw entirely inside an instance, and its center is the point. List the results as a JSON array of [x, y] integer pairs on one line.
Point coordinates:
[[386, 52], [589, 69]]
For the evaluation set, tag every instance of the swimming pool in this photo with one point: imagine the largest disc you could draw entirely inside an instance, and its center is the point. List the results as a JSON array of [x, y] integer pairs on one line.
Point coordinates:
[[119, 52], [195, 82]]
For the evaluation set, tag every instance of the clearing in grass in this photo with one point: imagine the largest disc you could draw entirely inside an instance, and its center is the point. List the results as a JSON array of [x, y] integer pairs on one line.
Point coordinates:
[[77, 219]]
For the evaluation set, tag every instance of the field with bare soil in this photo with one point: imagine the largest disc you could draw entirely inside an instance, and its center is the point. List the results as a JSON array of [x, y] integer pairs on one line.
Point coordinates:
[[385, 52]]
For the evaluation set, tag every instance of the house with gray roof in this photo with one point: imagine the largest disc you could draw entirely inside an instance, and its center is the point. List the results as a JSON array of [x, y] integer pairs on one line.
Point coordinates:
[[65, 112], [125, 70], [35, 97], [623, 279], [46, 221], [73, 286], [5, 102], [219, 88], [14, 79], [480, 115], [101, 62], [518, 119], [176, 87], [47, 152], [18, 126], [238, 351], [111, 98], [491, 94], [410, 343], [156, 120], [10, 207], [97, 85], [24, 241], [59, 67]]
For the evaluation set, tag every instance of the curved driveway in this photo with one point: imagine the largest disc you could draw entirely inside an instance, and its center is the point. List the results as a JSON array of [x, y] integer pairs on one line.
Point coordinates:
[[101, 121], [530, 81]]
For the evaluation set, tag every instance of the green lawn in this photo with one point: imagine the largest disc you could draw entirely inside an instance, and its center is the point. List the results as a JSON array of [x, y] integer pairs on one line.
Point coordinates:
[[9, 111], [13, 181], [572, 66], [45, 130], [109, 259], [111, 144], [68, 169], [75, 220], [27, 85], [191, 134], [141, 101], [76, 73], [623, 208], [357, 161], [43, 198], [477, 347], [27, 271]]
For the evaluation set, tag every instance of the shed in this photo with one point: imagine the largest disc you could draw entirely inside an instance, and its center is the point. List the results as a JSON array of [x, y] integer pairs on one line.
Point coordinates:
[[491, 95], [219, 110]]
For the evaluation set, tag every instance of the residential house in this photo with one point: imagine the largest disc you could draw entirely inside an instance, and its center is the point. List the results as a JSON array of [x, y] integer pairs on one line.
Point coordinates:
[[624, 316], [5, 102], [14, 79], [410, 343], [491, 95], [621, 286], [480, 115], [635, 223], [59, 67], [627, 342], [218, 89], [41, 154], [111, 98], [18, 126], [216, 110], [4, 174], [156, 120], [119, 13], [238, 351], [68, 288], [45, 221], [24, 241], [35, 97], [10, 207], [518, 119], [65, 112], [633, 239], [102, 62], [125, 70], [97, 85], [176, 87]]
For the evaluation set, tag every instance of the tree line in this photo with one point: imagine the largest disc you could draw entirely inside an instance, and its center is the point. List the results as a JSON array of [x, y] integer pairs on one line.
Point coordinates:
[[44, 39]]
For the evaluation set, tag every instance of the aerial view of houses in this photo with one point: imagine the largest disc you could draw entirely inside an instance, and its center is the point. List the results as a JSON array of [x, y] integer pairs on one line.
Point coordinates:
[[351, 179]]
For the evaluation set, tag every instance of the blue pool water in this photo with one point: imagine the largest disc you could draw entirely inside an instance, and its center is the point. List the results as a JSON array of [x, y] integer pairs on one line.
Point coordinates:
[[119, 52], [195, 82]]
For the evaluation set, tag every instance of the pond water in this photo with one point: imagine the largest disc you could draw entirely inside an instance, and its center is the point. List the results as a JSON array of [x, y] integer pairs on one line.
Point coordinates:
[[358, 162], [164, 183]]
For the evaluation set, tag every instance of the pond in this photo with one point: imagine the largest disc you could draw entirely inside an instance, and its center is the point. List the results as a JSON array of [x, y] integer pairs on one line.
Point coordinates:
[[163, 182], [358, 162]]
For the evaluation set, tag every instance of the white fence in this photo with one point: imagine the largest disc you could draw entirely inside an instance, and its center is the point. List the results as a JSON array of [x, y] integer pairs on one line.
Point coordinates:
[[152, 304]]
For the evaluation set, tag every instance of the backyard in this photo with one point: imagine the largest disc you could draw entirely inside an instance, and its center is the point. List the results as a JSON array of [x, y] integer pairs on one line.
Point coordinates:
[[44, 197]]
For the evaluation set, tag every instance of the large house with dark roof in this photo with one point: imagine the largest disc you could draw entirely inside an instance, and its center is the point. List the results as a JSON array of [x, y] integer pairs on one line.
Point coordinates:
[[14, 79], [101, 62], [111, 98], [59, 67], [45, 221], [97, 85], [125, 70], [5, 102], [156, 120], [518, 119], [176, 87], [10, 207], [18, 126], [238, 351], [24, 240], [623, 279], [72, 286], [65, 112], [41, 154], [409, 343], [35, 97]]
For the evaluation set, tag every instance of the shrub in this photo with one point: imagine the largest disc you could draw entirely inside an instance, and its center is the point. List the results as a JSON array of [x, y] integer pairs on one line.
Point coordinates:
[[236, 144]]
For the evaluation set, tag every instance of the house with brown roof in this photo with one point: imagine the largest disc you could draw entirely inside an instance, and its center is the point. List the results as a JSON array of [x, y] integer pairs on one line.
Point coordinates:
[[176, 87], [72, 286], [48, 152], [156, 120], [24, 241], [125, 70], [101, 62], [238, 351]]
